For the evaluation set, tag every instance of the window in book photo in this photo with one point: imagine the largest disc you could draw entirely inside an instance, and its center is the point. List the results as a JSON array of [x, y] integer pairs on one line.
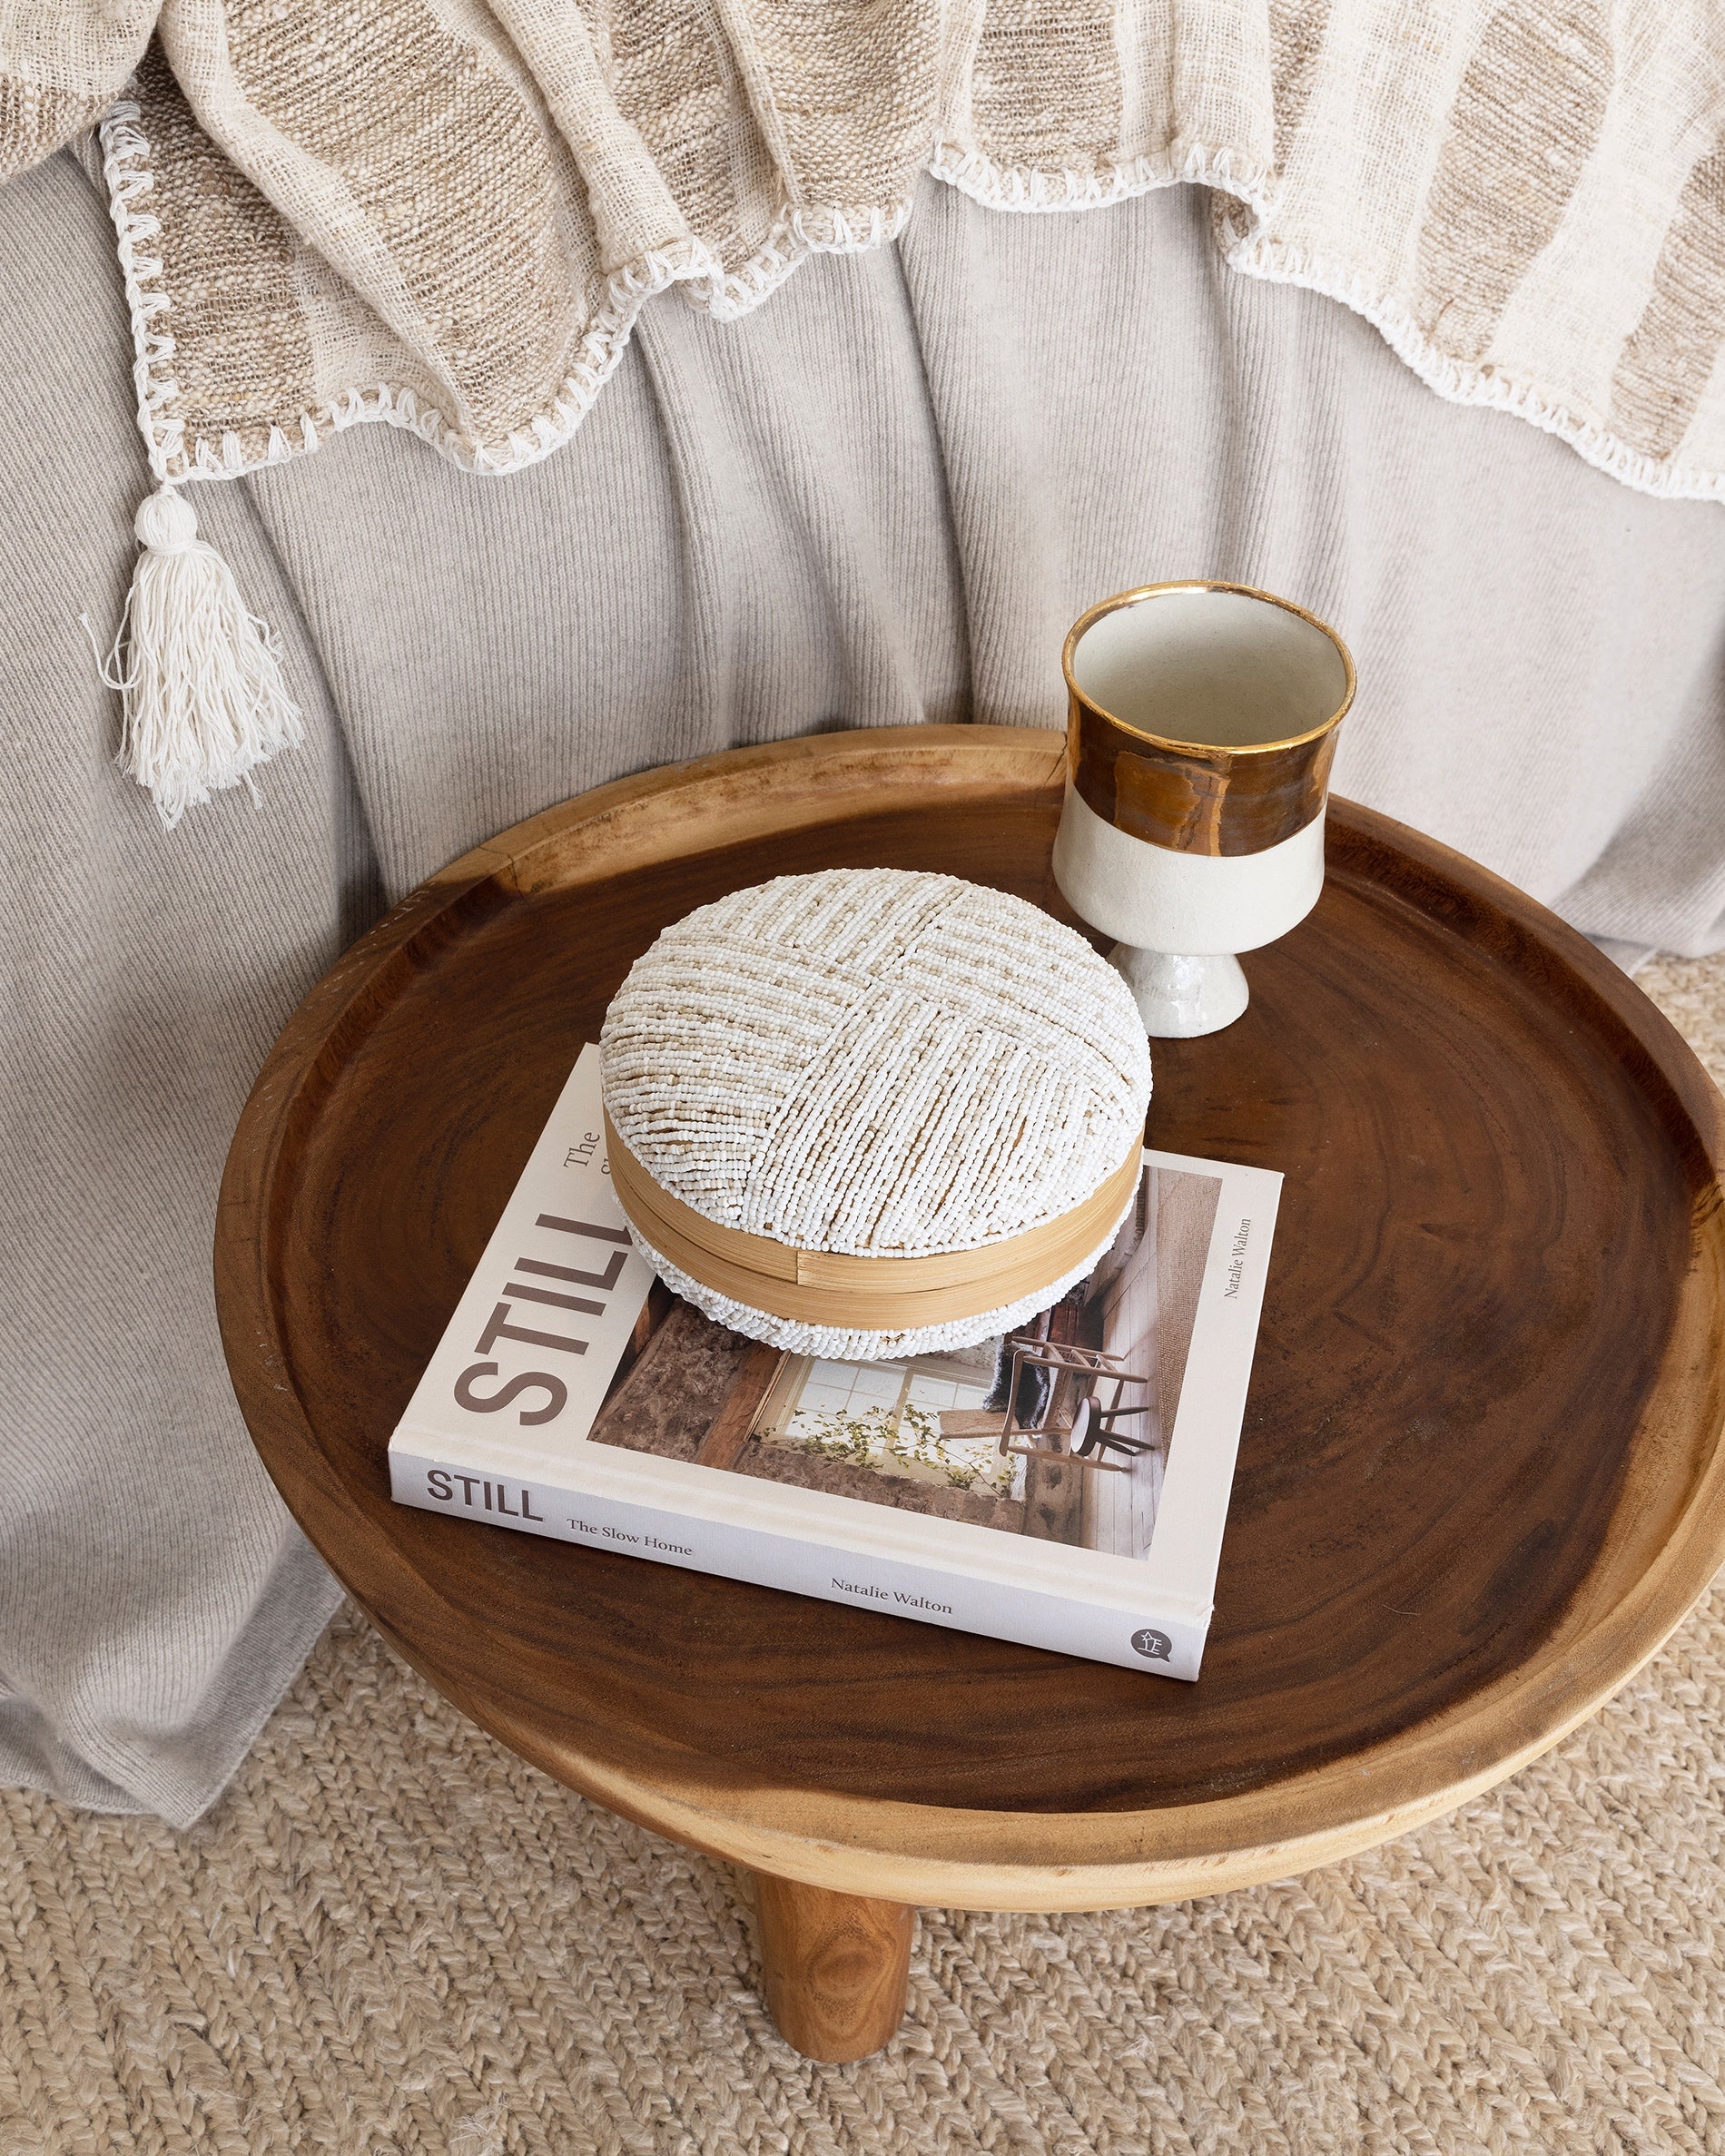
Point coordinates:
[[1060, 1429]]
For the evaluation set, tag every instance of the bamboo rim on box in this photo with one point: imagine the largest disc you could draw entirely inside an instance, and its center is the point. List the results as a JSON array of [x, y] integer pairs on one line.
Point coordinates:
[[882, 1295]]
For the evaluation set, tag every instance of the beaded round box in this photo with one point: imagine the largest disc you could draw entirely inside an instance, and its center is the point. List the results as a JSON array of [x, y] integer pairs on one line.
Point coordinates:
[[873, 1111]]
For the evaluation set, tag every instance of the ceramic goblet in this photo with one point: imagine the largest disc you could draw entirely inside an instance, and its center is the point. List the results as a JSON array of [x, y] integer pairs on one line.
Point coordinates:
[[1201, 730]]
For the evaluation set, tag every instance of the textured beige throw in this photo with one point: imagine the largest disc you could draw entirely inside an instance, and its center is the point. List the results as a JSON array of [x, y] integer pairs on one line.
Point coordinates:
[[447, 215]]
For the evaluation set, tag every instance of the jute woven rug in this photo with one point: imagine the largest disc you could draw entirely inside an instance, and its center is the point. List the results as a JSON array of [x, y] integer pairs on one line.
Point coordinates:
[[390, 1935]]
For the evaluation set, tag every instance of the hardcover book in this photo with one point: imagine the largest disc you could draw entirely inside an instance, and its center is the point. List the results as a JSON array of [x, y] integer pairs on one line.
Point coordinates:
[[1065, 1485]]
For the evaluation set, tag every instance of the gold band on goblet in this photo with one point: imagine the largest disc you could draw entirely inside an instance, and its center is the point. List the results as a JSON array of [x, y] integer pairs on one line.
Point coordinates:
[[1193, 797]]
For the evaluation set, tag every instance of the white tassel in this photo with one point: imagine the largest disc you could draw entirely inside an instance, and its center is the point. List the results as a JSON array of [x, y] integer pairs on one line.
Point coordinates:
[[203, 696]]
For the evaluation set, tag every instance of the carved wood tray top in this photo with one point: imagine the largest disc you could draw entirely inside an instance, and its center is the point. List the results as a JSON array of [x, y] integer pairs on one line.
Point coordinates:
[[1479, 1480]]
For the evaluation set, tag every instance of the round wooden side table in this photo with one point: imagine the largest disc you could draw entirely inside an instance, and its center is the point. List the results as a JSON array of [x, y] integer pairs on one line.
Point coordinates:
[[1481, 1475]]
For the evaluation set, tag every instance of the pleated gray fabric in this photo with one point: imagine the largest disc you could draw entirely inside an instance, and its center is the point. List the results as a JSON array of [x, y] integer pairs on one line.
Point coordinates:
[[882, 497]]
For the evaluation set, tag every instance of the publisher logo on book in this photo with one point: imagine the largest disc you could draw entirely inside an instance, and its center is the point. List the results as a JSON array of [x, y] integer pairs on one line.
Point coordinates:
[[1153, 1646]]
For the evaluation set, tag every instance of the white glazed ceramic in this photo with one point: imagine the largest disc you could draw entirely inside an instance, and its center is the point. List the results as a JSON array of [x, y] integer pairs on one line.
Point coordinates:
[[1180, 997], [1201, 904]]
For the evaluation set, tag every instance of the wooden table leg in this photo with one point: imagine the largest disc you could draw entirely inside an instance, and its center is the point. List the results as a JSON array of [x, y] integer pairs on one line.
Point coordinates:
[[836, 1967]]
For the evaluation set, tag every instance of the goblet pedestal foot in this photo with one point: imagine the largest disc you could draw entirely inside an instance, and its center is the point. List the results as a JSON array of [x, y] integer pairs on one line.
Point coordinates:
[[1180, 997]]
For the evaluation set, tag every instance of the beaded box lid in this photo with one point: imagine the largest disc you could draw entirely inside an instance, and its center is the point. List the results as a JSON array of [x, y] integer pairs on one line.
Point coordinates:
[[873, 1110]]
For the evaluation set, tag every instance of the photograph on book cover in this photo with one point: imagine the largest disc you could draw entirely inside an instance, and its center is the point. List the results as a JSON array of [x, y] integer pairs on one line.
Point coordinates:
[[1060, 1430]]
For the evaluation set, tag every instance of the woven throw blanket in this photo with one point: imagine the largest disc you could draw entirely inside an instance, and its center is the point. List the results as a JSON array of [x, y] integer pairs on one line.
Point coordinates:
[[445, 214]]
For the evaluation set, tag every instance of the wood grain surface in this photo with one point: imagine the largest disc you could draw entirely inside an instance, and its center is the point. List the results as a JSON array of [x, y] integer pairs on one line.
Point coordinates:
[[1480, 1476], [834, 1967]]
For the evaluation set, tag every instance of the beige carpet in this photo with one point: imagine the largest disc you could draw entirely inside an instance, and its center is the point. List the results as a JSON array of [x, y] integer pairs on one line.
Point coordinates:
[[391, 1936]]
